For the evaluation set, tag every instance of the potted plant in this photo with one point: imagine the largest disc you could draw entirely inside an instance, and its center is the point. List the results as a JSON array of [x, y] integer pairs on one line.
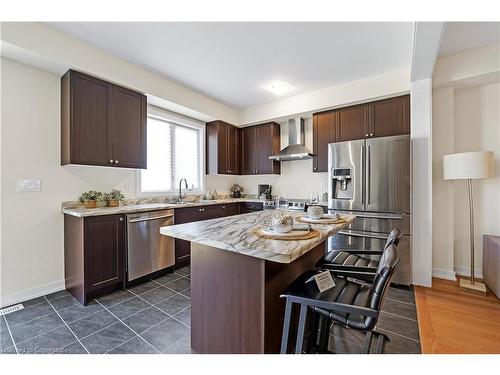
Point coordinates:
[[90, 198], [236, 191], [114, 198]]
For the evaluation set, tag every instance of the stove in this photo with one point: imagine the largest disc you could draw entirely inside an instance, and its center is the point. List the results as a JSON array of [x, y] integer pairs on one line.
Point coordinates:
[[295, 205]]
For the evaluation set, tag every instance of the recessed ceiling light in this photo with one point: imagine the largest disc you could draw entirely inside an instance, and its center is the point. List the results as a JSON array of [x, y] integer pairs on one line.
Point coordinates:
[[280, 88]]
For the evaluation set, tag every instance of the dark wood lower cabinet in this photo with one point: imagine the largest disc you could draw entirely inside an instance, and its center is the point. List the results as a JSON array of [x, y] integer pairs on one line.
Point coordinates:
[[247, 207], [94, 250], [192, 214]]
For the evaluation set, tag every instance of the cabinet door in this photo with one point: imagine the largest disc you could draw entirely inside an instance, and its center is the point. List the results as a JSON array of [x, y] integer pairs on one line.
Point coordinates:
[[266, 140], [129, 128], [90, 118], [390, 117], [324, 132], [353, 123], [249, 165], [229, 209], [233, 150], [222, 148], [104, 248]]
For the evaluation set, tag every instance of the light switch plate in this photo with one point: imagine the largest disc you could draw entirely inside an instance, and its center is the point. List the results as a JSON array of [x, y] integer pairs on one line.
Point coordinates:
[[29, 185]]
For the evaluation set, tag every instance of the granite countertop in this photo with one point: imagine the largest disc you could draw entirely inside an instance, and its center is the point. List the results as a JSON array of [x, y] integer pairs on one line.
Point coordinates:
[[131, 208], [235, 233]]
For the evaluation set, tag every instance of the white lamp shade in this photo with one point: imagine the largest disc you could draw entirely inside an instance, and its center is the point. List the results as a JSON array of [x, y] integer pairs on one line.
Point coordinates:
[[465, 165]]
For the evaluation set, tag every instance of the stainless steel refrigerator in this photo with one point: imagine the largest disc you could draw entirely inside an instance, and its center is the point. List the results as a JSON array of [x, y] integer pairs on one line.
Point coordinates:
[[371, 179]]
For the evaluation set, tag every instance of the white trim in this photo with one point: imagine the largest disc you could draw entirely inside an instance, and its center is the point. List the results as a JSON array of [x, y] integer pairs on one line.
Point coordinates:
[[444, 274], [465, 271], [27, 294]]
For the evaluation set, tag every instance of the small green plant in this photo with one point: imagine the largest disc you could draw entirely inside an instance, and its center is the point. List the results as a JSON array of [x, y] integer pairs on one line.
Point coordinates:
[[91, 195], [115, 195]]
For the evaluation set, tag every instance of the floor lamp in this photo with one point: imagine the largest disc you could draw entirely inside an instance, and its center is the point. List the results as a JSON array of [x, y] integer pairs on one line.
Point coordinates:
[[469, 166]]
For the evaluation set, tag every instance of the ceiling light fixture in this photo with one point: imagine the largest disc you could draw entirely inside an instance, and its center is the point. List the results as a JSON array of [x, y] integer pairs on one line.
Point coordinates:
[[280, 88]]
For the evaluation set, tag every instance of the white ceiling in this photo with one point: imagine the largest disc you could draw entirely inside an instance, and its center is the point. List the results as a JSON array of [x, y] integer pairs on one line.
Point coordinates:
[[461, 36], [233, 62]]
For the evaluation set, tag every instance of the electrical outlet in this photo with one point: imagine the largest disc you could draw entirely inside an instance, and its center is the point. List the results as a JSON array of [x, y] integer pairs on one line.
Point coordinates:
[[28, 185]]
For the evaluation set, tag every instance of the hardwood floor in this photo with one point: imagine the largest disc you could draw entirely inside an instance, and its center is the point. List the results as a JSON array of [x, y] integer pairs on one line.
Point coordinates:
[[454, 320]]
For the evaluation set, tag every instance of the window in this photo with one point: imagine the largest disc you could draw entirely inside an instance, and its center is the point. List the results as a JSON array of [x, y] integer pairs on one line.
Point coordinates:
[[174, 152]]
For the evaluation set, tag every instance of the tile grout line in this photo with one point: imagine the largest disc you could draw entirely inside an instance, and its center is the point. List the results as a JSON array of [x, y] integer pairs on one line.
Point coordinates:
[[176, 341], [399, 316], [397, 334], [11, 337], [396, 300], [66, 324], [121, 321]]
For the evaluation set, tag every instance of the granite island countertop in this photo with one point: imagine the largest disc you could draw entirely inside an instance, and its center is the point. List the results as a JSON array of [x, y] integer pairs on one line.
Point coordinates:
[[235, 234], [81, 211]]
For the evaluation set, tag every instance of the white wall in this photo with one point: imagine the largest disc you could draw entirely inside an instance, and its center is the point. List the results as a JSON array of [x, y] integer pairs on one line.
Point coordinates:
[[442, 191], [32, 224], [477, 127]]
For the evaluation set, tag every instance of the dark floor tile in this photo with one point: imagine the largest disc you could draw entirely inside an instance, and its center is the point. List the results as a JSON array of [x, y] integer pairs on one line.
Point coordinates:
[[145, 319], [77, 312], [402, 294], [47, 343], [186, 292], [184, 271], [168, 278], [75, 348], [3, 325], [5, 340], [174, 304], [401, 326], [115, 298], [156, 295], [400, 308], [338, 345], [165, 334], [144, 287], [92, 323], [181, 346], [25, 315], [400, 345], [33, 302], [134, 346], [129, 307], [64, 302], [184, 316], [179, 284], [107, 339], [61, 293], [36, 327]]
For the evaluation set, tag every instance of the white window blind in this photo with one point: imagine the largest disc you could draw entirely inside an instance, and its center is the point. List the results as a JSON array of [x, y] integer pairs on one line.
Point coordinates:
[[174, 152]]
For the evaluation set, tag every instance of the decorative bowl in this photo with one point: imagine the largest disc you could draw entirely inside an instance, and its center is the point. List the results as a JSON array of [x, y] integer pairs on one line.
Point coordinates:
[[315, 212], [282, 223]]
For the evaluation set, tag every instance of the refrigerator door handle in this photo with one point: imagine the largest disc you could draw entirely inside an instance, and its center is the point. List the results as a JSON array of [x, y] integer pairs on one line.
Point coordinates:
[[363, 191], [369, 172], [362, 234]]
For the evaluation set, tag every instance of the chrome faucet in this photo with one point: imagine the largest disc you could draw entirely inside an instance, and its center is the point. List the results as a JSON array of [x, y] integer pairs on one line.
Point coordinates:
[[181, 197]]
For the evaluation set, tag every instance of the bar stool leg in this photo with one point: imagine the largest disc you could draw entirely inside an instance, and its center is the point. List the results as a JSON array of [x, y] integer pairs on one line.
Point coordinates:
[[286, 326], [312, 341], [324, 334], [301, 329], [368, 342]]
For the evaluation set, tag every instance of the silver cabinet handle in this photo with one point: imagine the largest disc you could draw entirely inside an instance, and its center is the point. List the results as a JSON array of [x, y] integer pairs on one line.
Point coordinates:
[[116, 161], [363, 192], [121, 219], [354, 234], [111, 161], [371, 134], [366, 135]]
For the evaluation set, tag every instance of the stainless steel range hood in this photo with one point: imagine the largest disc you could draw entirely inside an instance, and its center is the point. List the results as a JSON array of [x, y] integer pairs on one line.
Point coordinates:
[[296, 140]]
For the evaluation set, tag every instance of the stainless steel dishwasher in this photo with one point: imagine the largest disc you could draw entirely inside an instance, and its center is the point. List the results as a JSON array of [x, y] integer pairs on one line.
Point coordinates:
[[149, 251]]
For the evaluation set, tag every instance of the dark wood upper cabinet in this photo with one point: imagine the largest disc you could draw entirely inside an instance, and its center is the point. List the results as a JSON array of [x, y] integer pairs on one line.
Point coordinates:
[[258, 143], [390, 117], [222, 148], [353, 123], [101, 124], [324, 132], [376, 119]]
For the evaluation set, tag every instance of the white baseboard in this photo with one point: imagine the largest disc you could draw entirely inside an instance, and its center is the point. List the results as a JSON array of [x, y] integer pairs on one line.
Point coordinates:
[[28, 294], [442, 273], [465, 271]]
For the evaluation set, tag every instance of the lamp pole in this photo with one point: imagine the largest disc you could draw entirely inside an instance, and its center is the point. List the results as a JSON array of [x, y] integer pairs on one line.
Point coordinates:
[[471, 233]]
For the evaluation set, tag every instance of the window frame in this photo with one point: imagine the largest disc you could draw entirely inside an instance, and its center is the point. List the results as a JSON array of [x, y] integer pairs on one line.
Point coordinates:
[[179, 120]]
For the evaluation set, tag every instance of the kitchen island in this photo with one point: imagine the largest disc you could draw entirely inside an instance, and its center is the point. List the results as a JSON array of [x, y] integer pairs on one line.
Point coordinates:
[[237, 277]]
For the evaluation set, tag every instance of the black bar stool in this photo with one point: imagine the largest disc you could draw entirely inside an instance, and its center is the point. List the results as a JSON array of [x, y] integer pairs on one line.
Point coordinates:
[[358, 264], [353, 304]]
